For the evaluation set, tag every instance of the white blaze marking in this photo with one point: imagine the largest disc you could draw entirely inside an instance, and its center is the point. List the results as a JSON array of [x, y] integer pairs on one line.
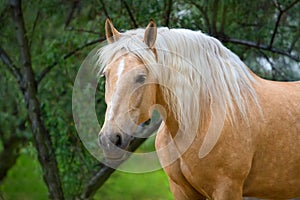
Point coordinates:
[[120, 68], [113, 103]]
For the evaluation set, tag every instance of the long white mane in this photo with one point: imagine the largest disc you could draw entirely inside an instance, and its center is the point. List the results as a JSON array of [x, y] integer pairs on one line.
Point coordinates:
[[198, 73]]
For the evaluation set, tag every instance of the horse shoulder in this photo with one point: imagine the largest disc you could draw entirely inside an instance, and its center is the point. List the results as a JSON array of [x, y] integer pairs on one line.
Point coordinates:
[[170, 161]]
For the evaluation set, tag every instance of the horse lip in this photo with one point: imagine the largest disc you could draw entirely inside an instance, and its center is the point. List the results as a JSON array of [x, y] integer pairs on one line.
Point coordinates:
[[114, 158], [118, 159]]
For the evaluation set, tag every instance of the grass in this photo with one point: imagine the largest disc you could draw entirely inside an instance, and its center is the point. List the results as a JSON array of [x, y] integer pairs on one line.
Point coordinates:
[[24, 182], [149, 186]]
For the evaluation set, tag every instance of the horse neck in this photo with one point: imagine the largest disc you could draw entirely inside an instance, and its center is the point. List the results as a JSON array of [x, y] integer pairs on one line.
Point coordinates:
[[170, 120], [166, 112]]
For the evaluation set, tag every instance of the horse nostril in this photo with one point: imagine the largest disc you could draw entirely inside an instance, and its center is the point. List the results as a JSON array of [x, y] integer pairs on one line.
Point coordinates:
[[146, 123], [113, 139], [118, 141]]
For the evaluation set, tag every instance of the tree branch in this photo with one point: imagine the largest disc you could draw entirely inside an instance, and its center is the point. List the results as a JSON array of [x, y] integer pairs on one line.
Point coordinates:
[[260, 46], [99, 178], [135, 25], [72, 9], [291, 5], [104, 9], [214, 17], [66, 56], [21, 35], [276, 26], [281, 12], [274, 69], [203, 11], [38, 14], [293, 43], [223, 20], [10, 65], [167, 13], [81, 30]]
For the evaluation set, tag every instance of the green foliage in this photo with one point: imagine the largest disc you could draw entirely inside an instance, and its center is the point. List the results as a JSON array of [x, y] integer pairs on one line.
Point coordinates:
[[53, 33]]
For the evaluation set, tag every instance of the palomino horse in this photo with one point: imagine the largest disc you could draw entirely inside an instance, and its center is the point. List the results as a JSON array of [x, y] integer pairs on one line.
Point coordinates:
[[226, 133]]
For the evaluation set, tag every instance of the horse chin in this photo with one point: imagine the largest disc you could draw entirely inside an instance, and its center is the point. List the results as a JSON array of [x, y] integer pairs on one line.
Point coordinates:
[[114, 161]]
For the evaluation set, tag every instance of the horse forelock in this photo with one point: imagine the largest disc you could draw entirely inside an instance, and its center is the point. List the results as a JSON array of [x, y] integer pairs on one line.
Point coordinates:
[[196, 70]]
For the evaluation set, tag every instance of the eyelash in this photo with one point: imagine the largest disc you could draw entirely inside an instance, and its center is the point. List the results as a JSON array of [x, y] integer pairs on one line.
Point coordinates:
[[140, 79]]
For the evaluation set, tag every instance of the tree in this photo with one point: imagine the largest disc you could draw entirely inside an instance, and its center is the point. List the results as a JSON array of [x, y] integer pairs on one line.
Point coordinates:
[[44, 42], [27, 83]]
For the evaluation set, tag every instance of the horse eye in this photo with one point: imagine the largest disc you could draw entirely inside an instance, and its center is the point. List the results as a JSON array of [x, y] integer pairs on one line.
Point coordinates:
[[140, 79]]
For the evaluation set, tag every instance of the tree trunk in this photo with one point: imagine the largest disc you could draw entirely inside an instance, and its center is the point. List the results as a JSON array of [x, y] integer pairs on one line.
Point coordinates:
[[41, 135]]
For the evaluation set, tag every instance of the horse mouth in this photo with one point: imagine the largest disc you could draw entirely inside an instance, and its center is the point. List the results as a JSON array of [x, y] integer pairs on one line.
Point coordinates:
[[116, 158], [116, 154], [115, 161]]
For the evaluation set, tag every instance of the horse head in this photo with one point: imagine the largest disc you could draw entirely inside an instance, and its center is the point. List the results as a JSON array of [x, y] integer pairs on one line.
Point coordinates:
[[129, 94]]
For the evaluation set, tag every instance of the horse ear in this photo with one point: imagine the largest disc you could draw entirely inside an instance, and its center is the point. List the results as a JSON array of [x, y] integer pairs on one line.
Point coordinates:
[[111, 33], [150, 34]]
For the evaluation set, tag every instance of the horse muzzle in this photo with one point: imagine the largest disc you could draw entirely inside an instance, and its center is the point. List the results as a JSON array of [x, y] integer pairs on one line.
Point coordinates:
[[114, 145]]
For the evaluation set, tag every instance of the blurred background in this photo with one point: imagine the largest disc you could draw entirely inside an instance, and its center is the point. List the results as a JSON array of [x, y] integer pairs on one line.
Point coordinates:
[[42, 45]]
